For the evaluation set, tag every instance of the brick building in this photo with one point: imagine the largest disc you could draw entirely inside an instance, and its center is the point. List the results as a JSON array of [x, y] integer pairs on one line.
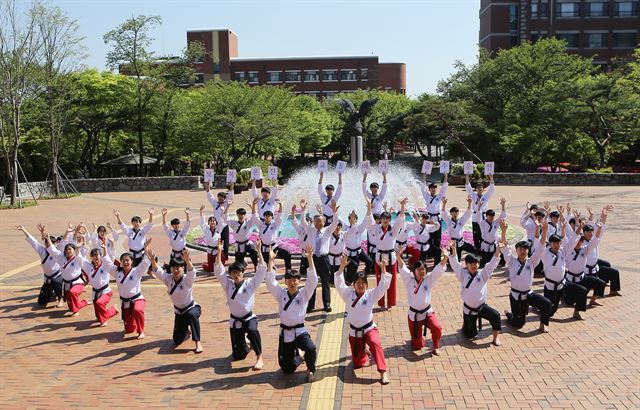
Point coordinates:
[[602, 29], [317, 76]]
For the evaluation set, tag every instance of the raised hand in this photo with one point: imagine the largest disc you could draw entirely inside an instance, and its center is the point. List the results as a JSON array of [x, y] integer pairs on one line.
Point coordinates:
[[334, 207], [504, 225], [147, 243], [150, 211], [308, 250], [186, 256], [116, 213], [164, 211], [344, 261]]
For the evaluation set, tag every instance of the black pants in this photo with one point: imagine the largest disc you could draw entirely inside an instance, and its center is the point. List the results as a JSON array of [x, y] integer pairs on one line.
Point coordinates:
[[477, 235], [467, 247], [184, 321], [288, 357], [520, 308], [250, 250], [572, 294], [239, 346], [281, 254], [50, 292], [595, 283], [224, 235], [324, 271], [609, 274], [470, 328], [434, 245], [354, 262]]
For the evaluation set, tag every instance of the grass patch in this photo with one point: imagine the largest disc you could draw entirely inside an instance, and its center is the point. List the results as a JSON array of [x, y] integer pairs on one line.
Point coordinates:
[[30, 202]]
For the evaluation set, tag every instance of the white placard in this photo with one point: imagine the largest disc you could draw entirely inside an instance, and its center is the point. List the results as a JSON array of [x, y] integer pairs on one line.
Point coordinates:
[[445, 166], [323, 165], [273, 173], [488, 168], [341, 166], [232, 176], [468, 167], [208, 175], [256, 173], [427, 167], [383, 166], [365, 167]]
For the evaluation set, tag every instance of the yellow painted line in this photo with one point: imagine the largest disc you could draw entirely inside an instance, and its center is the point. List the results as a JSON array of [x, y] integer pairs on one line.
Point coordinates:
[[23, 268], [323, 391]]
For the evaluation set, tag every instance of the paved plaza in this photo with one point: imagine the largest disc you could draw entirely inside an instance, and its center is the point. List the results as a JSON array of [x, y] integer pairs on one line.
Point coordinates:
[[50, 359]]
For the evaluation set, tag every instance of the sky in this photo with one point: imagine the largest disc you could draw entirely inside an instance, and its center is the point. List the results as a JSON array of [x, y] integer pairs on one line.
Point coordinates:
[[427, 35]]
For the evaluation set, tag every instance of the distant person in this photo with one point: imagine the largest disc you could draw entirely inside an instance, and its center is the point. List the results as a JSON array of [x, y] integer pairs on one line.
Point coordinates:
[[329, 194], [480, 205], [136, 236], [177, 233], [433, 200], [455, 226]]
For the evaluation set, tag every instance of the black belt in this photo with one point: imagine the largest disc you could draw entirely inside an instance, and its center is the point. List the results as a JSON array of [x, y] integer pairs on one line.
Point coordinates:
[[388, 252], [98, 292], [456, 239], [241, 242], [520, 292], [185, 309], [327, 216], [492, 245], [356, 250], [242, 319], [128, 300], [401, 243], [415, 321], [70, 282], [335, 255], [213, 248], [265, 248], [49, 278], [591, 268], [575, 275], [360, 330], [477, 311], [135, 252], [175, 251], [556, 284]]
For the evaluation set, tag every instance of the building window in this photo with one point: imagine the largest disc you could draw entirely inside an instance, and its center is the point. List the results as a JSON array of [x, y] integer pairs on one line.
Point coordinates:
[[292, 76], [625, 8], [514, 40], [600, 9], [274, 76], [200, 58], [198, 78], [625, 40], [329, 95], [364, 74], [314, 94], [239, 76], [539, 10], [348, 75], [537, 36], [572, 39], [596, 40], [216, 68], [329, 75], [254, 77], [568, 10], [311, 76]]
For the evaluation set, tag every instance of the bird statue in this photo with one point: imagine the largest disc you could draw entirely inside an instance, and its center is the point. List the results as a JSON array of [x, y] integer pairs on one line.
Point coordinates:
[[355, 126]]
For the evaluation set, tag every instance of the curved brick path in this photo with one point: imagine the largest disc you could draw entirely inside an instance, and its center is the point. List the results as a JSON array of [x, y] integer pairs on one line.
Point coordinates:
[[50, 359]]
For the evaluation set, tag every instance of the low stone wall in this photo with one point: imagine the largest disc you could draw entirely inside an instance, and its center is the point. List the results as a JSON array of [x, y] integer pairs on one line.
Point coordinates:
[[567, 178], [115, 184]]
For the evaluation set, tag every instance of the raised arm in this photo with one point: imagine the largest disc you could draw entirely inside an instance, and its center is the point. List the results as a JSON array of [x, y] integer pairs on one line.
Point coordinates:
[[312, 275], [453, 261], [341, 287], [385, 281]]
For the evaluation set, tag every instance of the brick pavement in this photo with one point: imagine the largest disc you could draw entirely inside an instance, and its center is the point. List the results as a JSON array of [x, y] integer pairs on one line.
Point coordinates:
[[589, 364]]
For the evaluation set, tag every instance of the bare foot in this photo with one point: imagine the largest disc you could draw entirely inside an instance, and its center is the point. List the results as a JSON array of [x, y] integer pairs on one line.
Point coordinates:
[[497, 342], [543, 328], [124, 334], [614, 293], [60, 304], [595, 303], [310, 377], [576, 315], [435, 352], [259, 364], [385, 378], [75, 314], [104, 324], [89, 302], [199, 348], [140, 336]]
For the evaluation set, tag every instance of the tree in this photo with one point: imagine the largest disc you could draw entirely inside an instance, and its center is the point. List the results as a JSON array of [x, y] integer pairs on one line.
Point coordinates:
[[130, 42], [61, 52], [19, 51]]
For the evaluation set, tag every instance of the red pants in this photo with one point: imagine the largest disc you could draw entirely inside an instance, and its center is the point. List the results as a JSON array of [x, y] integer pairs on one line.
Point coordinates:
[[434, 326], [371, 339], [73, 298], [134, 317], [100, 306], [391, 293], [211, 262], [414, 254]]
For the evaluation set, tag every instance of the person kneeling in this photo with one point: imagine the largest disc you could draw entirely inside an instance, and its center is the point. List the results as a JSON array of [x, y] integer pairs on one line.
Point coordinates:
[[360, 302], [292, 303], [180, 286]]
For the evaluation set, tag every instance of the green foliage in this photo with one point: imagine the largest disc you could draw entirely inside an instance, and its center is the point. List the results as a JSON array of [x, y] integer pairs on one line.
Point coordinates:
[[607, 170]]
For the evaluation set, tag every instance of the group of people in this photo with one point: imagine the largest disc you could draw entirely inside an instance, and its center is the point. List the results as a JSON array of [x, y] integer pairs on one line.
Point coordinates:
[[561, 244]]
